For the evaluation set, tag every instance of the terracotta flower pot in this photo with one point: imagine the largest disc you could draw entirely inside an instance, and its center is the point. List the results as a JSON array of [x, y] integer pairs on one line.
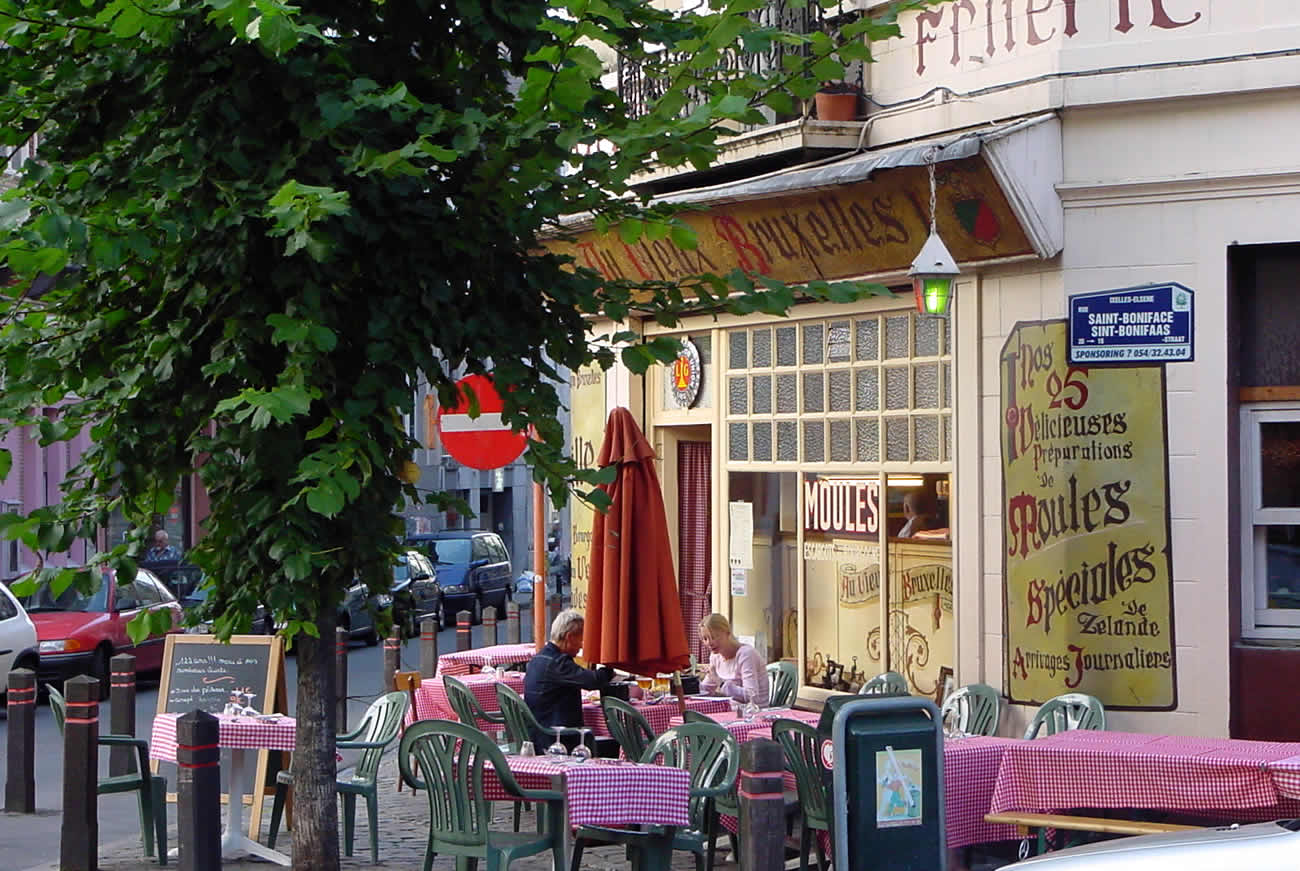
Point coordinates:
[[836, 107]]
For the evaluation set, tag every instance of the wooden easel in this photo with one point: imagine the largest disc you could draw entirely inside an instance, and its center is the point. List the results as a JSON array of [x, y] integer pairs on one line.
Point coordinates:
[[274, 701]]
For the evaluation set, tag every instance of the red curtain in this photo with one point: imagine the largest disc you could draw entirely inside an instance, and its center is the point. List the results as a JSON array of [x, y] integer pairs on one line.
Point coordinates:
[[694, 578]]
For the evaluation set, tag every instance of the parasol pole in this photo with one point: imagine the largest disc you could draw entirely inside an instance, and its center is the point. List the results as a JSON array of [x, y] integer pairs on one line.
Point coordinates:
[[681, 694], [539, 565]]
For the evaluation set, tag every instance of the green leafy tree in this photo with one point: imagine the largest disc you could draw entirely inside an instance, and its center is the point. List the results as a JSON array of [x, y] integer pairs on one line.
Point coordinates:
[[267, 220]]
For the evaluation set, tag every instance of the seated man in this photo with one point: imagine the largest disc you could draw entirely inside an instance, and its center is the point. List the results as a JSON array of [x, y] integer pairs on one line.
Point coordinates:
[[554, 683]]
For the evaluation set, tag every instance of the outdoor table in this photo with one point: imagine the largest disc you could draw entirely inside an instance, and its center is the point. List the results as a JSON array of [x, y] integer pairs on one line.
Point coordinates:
[[658, 715], [238, 735], [744, 730], [470, 661], [1210, 777], [431, 697]]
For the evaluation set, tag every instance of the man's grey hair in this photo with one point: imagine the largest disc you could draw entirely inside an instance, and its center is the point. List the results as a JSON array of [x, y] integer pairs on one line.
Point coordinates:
[[565, 622]]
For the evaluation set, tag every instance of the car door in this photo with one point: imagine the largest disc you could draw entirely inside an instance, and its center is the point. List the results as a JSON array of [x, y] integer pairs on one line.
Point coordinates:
[[124, 605], [500, 566], [165, 601], [424, 584]]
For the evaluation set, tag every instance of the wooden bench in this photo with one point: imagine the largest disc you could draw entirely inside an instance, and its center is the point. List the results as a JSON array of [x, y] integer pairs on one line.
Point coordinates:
[[1025, 822]]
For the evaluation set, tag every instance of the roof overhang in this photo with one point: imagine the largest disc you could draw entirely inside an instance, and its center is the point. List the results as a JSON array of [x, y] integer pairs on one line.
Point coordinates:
[[865, 214]]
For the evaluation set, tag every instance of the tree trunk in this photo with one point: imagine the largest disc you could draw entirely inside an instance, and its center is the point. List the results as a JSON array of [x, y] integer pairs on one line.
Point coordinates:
[[315, 808]]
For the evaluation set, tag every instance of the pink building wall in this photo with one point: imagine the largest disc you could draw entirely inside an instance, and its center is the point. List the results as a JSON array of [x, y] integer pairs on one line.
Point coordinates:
[[33, 482]]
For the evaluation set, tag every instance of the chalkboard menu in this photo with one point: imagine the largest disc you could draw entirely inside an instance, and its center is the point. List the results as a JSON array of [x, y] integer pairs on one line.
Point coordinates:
[[200, 672]]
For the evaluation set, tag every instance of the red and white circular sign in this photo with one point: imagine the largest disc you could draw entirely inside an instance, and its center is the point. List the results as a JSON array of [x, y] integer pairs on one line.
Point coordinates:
[[828, 754], [483, 442]]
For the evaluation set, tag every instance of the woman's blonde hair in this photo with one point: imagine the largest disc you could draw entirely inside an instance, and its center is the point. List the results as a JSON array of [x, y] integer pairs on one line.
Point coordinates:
[[715, 624]]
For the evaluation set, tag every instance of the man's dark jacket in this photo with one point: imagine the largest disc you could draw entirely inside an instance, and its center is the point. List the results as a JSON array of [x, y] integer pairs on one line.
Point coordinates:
[[553, 686]]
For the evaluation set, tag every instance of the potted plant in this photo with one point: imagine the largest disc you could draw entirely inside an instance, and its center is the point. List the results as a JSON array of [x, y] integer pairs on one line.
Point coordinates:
[[837, 101]]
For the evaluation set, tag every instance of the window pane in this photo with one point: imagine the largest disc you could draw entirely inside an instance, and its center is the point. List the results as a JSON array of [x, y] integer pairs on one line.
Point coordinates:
[[736, 340], [837, 342], [736, 388], [868, 339], [896, 388], [762, 348], [813, 336], [841, 441], [762, 394], [867, 392], [738, 441], [1283, 565], [787, 354], [840, 390], [787, 441], [868, 440], [763, 442], [814, 441], [896, 439], [926, 432], [813, 400], [787, 394], [896, 343], [1279, 464], [926, 385]]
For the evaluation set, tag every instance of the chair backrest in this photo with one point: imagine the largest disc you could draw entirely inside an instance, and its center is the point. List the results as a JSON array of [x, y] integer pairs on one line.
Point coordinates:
[[449, 759], [1065, 713], [58, 707], [712, 756], [783, 679], [801, 746], [889, 683], [977, 708], [462, 701], [521, 723], [630, 729], [698, 717], [379, 725]]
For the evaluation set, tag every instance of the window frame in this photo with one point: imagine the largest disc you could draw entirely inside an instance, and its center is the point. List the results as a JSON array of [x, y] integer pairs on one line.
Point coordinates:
[[1258, 621]]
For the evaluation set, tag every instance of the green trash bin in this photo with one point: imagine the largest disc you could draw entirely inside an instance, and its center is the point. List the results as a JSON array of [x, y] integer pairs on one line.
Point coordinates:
[[884, 761]]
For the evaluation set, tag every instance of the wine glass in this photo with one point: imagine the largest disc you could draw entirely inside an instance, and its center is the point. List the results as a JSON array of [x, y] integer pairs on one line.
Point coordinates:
[[249, 710], [581, 752], [557, 751], [952, 725]]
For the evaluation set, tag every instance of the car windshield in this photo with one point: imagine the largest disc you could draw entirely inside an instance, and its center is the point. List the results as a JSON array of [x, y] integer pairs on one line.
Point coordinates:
[[401, 571], [451, 551], [43, 599]]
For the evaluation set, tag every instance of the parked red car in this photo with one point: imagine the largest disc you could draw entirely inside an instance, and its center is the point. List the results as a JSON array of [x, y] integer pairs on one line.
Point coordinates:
[[79, 634]]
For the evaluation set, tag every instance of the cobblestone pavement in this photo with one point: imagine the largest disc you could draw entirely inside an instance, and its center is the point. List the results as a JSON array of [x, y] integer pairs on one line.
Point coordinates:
[[403, 828]]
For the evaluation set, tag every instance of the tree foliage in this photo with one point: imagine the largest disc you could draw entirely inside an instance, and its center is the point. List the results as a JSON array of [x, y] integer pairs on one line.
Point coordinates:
[[268, 220]]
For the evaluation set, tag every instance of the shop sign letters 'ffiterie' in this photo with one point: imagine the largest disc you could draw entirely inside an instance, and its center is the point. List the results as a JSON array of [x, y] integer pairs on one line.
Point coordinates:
[[1086, 557]]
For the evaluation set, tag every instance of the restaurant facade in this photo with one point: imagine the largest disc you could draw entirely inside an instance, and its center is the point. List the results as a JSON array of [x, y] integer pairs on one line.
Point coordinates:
[[1124, 528]]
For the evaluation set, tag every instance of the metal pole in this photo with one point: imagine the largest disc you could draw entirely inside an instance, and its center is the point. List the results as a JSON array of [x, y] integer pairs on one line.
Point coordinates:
[[489, 626], [539, 565], [429, 646], [464, 640], [121, 698], [79, 832], [198, 792], [341, 640], [512, 622], [762, 806], [392, 659], [20, 784]]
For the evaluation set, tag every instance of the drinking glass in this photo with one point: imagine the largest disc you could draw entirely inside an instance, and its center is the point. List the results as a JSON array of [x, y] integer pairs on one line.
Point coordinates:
[[526, 748], [557, 750], [645, 683]]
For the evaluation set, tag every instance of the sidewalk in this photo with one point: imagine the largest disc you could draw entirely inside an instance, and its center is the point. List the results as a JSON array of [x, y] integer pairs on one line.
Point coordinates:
[[403, 830]]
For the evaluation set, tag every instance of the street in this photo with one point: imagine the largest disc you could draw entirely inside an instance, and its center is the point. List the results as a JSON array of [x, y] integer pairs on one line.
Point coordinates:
[[28, 840]]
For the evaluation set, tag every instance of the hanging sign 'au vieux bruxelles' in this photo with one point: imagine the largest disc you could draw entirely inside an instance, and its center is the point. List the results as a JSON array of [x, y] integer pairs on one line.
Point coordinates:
[[1089, 583]]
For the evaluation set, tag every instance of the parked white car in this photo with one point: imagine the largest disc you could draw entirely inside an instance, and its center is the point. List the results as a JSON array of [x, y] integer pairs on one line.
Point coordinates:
[[17, 638], [1258, 847]]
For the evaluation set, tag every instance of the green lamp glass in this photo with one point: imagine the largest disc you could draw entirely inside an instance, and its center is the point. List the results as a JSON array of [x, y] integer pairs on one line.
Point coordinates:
[[932, 274]]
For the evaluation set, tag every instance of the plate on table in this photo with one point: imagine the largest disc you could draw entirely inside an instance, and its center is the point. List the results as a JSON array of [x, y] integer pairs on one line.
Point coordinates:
[[704, 698]]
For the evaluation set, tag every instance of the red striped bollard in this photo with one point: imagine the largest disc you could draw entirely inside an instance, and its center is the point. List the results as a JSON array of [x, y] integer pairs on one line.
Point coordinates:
[[489, 626], [392, 659], [429, 646], [512, 622], [198, 792], [341, 641], [121, 711], [762, 806], [463, 629], [20, 782], [79, 831]]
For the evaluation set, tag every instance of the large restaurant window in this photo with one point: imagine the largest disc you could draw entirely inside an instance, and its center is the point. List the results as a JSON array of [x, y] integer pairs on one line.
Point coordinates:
[[843, 403], [1270, 435]]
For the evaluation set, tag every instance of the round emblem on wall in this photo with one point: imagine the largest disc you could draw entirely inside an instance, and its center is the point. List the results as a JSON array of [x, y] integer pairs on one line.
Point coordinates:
[[828, 754], [686, 375]]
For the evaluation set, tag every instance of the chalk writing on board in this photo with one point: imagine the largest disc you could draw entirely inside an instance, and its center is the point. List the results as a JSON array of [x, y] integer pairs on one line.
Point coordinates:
[[203, 678]]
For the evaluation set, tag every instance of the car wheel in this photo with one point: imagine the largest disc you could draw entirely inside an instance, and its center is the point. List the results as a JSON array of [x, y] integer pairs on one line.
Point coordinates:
[[101, 670]]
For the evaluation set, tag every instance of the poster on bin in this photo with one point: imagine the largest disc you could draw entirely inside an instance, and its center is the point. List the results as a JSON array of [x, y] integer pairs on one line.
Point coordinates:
[[1087, 570]]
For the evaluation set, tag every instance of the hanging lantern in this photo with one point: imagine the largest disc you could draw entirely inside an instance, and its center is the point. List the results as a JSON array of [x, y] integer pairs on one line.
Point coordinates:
[[934, 268]]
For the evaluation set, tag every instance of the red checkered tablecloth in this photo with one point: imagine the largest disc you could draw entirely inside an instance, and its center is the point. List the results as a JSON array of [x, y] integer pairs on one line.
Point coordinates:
[[659, 715], [606, 792], [1084, 769], [744, 730], [236, 733], [1286, 776], [970, 773], [431, 698], [471, 661]]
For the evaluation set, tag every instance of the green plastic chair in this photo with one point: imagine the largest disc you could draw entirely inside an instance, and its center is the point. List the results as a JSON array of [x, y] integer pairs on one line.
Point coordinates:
[[628, 726], [466, 704], [1066, 713], [150, 789], [889, 683], [449, 759], [783, 680], [800, 744], [698, 717], [976, 707], [710, 753], [521, 725], [379, 726]]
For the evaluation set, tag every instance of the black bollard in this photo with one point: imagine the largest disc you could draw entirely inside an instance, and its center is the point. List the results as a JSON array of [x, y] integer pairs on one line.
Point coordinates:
[[762, 806], [341, 641], [429, 647], [20, 783], [392, 659], [198, 791], [512, 623], [121, 711], [79, 832], [554, 605], [463, 628], [489, 626]]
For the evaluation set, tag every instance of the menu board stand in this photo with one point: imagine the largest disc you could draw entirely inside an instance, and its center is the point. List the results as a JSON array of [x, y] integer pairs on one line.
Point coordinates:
[[199, 672]]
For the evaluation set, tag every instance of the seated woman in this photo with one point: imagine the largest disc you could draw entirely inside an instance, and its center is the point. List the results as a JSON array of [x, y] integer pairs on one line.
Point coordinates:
[[735, 670]]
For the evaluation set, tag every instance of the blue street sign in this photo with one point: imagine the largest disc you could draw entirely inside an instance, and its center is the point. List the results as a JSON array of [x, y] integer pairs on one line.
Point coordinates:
[[1149, 324]]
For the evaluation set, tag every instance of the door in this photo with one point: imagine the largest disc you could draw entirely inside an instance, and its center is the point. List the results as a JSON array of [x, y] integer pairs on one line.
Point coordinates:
[[694, 525]]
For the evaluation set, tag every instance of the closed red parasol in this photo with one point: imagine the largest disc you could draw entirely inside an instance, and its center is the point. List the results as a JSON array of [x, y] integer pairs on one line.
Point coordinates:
[[634, 617]]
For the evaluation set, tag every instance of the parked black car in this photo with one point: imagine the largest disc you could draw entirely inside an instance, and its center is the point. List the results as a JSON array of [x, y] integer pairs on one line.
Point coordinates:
[[473, 570], [417, 595], [195, 604]]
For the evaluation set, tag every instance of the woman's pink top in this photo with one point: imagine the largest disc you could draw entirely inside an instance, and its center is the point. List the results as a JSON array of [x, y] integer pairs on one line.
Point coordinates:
[[745, 671]]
